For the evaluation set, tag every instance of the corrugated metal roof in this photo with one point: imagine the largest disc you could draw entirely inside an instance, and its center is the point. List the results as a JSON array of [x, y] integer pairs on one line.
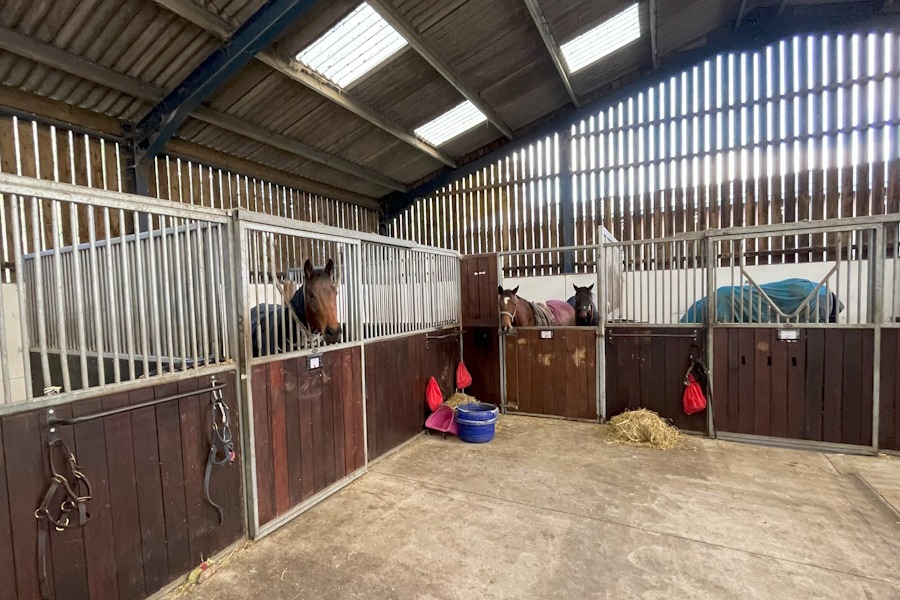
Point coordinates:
[[492, 46]]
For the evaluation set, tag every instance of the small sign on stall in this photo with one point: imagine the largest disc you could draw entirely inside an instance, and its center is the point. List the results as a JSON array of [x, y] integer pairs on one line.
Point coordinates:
[[313, 362], [546, 335], [789, 335]]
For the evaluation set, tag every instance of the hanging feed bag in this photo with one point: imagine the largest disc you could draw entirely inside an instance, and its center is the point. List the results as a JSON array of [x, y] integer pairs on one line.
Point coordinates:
[[463, 378], [433, 395], [694, 400]]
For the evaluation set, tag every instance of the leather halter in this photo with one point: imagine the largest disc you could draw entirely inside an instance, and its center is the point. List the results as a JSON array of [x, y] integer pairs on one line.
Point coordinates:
[[511, 315]]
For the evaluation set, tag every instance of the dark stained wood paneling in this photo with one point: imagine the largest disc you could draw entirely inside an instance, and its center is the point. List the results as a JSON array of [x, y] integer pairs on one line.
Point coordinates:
[[889, 409], [311, 421], [141, 535], [397, 373], [645, 369], [555, 376], [479, 290], [7, 559], [481, 354], [818, 388]]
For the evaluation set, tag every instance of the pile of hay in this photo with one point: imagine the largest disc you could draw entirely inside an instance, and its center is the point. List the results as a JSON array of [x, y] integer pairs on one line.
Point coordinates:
[[643, 428], [459, 398]]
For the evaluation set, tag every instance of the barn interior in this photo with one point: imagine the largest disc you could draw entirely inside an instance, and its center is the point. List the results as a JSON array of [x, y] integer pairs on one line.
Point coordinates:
[[239, 239]]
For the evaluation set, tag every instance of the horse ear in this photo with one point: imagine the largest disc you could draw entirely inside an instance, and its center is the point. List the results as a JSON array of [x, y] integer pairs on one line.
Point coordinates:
[[591, 287], [576, 288], [307, 270], [515, 290], [329, 268], [499, 290]]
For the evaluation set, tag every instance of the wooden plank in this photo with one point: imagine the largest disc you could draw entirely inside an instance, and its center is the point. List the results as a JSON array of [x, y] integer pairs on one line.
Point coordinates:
[[67, 559], [349, 391], [318, 433], [589, 374], [292, 429], [720, 395], [7, 560], [265, 473], [149, 491], [336, 371], [171, 465], [833, 384], [613, 397], [815, 380], [762, 370], [123, 495], [358, 426], [778, 387], [850, 403], [24, 451], [890, 361], [866, 373], [194, 452], [278, 426], [661, 369], [746, 381], [371, 401], [796, 388], [308, 388]]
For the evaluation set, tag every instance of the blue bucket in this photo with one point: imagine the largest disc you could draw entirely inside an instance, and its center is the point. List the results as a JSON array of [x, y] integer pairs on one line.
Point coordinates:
[[476, 432], [477, 411]]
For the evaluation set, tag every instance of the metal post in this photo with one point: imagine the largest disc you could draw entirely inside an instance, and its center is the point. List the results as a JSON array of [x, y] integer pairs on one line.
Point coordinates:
[[710, 322], [877, 256], [603, 307], [502, 342]]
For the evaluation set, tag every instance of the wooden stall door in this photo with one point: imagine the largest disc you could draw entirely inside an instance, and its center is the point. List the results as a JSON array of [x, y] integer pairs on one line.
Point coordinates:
[[308, 428], [397, 373], [479, 290], [150, 523], [817, 388], [645, 368], [554, 376]]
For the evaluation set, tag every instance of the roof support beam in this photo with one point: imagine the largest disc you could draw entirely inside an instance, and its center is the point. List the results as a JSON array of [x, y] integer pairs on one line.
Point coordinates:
[[189, 10], [415, 39], [534, 7], [27, 47], [654, 52], [260, 30]]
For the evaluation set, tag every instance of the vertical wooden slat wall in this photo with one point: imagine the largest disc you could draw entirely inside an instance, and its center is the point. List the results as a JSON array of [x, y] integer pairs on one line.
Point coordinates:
[[805, 128], [41, 151]]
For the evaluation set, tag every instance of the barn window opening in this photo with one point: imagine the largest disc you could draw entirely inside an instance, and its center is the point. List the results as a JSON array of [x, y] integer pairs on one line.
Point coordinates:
[[452, 123], [358, 44], [604, 39]]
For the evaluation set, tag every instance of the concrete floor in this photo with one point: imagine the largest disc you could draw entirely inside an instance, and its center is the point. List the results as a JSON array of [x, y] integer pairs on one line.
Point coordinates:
[[549, 510]]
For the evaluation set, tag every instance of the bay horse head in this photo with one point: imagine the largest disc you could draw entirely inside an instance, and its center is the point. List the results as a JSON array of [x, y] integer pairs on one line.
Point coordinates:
[[584, 306], [320, 293], [508, 303]]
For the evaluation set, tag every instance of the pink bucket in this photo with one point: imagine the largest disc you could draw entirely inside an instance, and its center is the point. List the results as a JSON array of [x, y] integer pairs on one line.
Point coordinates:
[[442, 420]]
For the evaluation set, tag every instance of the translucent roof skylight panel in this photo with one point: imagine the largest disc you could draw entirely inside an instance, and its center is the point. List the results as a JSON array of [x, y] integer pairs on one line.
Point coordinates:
[[452, 123], [602, 40], [357, 44]]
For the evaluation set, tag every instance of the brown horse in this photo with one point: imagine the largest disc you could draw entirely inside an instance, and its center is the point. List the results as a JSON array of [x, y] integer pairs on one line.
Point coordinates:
[[316, 301], [515, 311]]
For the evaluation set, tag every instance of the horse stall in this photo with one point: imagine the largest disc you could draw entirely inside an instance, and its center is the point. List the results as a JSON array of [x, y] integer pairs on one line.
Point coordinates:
[[119, 379], [152, 359], [799, 364], [648, 345], [547, 367], [318, 410]]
